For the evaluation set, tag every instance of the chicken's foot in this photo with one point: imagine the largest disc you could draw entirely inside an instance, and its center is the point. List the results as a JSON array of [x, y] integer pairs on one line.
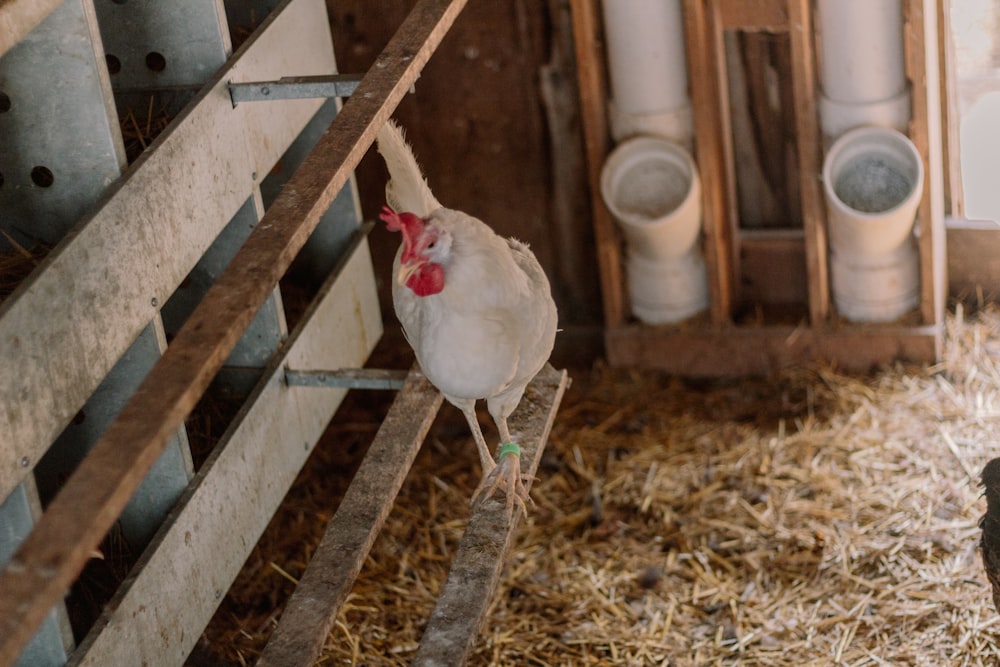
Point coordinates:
[[506, 476]]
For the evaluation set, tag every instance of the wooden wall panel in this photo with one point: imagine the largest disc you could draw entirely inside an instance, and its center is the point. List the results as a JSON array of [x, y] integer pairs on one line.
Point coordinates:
[[481, 128]]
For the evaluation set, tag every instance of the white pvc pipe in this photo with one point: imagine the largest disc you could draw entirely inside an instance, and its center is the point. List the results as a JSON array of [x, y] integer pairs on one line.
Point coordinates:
[[861, 50], [646, 59], [873, 179], [862, 70], [652, 189]]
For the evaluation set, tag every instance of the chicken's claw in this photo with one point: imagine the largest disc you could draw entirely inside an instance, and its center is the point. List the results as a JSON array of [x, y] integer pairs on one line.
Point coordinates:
[[506, 476]]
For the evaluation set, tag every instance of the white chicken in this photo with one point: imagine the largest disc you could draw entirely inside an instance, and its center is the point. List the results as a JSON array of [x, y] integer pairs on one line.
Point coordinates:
[[476, 308]]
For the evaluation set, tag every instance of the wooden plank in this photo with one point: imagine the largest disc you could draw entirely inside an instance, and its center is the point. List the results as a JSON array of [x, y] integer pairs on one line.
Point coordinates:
[[754, 15], [349, 536], [922, 68], [773, 267], [751, 350], [809, 141], [70, 322], [954, 198], [713, 143], [592, 82], [181, 580], [475, 572], [974, 260], [55, 552], [19, 17]]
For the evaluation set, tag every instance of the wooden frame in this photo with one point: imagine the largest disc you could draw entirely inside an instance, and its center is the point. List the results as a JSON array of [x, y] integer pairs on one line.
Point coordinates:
[[65, 537], [718, 344]]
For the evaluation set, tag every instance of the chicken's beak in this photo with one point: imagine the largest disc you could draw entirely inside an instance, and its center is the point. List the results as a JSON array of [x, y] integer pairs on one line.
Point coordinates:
[[405, 271]]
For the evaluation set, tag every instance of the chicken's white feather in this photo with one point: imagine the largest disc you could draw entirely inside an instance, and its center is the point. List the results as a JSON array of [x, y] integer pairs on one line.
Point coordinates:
[[407, 189]]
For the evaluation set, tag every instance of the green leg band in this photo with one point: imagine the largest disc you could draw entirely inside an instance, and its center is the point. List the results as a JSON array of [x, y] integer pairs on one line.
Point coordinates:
[[509, 448]]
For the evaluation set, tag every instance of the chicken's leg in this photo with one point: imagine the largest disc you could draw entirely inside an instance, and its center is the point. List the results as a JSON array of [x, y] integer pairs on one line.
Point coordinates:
[[506, 475], [468, 409]]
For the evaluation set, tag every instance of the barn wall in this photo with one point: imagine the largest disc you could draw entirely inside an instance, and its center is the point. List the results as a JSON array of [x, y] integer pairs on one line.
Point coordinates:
[[487, 111]]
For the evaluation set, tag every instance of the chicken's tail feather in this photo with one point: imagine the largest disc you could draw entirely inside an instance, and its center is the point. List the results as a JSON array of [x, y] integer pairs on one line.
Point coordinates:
[[407, 190]]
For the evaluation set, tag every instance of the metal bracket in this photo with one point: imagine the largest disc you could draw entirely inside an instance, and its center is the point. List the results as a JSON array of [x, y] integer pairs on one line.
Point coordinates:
[[295, 87], [348, 378]]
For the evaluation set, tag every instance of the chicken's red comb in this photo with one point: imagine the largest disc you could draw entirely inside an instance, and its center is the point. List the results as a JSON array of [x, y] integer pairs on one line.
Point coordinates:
[[391, 219], [411, 225], [401, 222]]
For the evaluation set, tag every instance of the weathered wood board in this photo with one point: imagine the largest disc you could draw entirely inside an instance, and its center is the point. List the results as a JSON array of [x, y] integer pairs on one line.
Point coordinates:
[[198, 553], [69, 323]]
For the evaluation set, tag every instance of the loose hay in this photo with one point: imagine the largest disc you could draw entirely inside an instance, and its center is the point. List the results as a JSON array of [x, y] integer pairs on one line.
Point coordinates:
[[809, 519]]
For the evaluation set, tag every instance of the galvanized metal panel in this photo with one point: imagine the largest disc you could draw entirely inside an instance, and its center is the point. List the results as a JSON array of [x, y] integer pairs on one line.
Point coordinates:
[[60, 146], [268, 328], [160, 612], [159, 44], [169, 475], [73, 318], [16, 519], [339, 221], [19, 17]]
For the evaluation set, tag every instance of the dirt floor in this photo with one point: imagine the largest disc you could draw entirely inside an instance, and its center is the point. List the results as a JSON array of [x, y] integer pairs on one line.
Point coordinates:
[[813, 518]]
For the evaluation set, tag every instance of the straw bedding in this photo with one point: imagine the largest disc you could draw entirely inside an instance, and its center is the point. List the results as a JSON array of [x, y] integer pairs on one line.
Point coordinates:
[[812, 518]]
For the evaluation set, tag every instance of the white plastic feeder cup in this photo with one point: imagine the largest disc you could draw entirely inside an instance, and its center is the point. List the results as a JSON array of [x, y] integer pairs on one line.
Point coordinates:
[[873, 179], [652, 189]]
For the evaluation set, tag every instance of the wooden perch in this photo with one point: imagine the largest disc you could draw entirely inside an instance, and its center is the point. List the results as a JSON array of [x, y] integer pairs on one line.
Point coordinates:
[[475, 572], [349, 536]]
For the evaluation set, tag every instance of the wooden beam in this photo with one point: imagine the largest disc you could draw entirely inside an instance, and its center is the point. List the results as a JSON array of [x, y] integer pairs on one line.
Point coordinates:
[[592, 80], [922, 68], [80, 515], [954, 197], [752, 350], [773, 267], [974, 260], [713, 143], [349, 536], [808, 143], [754, 15], [460, 610]]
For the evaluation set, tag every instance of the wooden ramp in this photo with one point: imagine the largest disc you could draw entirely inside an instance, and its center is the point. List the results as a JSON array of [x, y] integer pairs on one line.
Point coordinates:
[[475, 572]]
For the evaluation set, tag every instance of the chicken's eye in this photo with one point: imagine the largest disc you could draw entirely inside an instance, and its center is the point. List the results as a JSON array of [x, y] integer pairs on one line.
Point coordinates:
[[431, 245]]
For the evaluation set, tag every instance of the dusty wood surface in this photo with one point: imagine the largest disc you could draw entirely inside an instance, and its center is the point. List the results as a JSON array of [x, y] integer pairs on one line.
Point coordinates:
[[755, 350], [713, 143], [773, 267], [808, 140], [954, 200], [179, 582], [79, 311], [974, 260], [19, 17], [920, 25], [475, 571], [764, 15], [594, 93], [349, 536], [55, 552]]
